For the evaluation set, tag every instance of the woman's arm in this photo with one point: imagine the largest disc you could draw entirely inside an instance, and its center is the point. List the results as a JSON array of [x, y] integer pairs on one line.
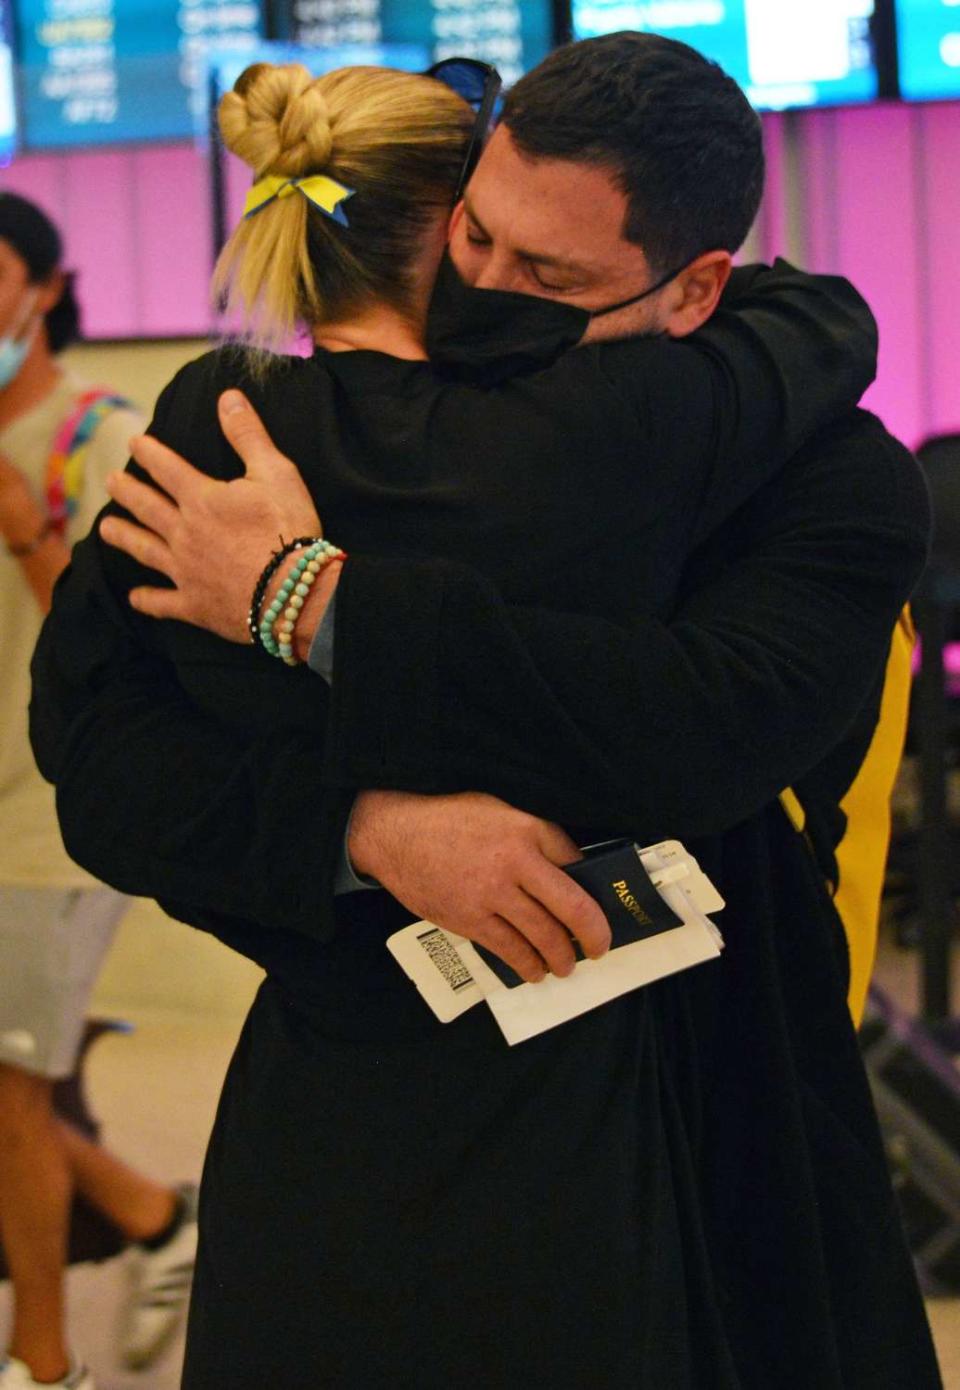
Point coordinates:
[[160, 799], [658, 728], [712, 417], [155, 796], [666, 728]]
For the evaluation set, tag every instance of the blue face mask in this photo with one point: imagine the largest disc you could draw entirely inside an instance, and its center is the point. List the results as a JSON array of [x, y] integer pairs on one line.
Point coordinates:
[[15, 346], [12, 357]]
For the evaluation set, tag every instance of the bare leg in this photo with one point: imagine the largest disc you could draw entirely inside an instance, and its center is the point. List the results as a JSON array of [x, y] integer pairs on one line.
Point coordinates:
[[138, 1205], [35, 1195]]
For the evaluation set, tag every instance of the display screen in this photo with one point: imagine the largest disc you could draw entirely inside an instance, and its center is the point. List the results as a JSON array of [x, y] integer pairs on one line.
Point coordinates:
[[928, 46], [512, 34], [227, 67], [815, 53], [8, 110], [103, 71]]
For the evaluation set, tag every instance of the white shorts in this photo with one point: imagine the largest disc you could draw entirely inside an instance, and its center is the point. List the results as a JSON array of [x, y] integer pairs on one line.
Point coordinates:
[[52, 944]]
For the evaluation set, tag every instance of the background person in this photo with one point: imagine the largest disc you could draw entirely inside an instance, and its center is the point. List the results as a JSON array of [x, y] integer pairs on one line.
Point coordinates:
[[58, 441]]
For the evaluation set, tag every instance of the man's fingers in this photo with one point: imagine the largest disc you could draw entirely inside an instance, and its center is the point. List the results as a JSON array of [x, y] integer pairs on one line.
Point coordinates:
[[498, 936], [556, 844], [561, 896], [244, 430], [137, 541], [149, 506], [167, 469], [546, 935], [159, 603], [566, 901]]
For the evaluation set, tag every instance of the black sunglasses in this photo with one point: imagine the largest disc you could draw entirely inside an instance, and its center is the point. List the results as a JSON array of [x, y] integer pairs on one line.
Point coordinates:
[[479, 84]]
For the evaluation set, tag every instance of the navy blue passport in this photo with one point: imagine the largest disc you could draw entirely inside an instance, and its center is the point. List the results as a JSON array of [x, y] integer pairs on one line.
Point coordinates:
[[613, 874]]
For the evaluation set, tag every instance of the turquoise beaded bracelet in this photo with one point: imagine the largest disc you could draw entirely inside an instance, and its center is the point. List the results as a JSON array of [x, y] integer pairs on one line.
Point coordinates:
[[280, 618]]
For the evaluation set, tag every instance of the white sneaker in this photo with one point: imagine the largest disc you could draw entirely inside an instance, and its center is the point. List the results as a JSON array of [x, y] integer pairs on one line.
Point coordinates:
[[14, 1375], [159, 1289]]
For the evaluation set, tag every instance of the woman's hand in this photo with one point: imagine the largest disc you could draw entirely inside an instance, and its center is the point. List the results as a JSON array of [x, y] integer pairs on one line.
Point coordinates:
[[214, 539]]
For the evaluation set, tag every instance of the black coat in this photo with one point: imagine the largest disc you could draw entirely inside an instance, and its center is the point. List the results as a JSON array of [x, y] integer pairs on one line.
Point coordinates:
[[683, 1189]]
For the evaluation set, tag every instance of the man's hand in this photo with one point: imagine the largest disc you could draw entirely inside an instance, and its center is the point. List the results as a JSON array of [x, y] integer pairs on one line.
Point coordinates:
[[477, 866], [212, 539]]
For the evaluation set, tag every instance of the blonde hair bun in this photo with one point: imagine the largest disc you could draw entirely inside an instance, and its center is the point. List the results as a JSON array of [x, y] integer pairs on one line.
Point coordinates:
[[397, 139], [276, 120]]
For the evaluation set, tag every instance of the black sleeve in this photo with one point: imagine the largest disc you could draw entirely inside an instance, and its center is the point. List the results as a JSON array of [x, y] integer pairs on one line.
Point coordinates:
[[157, 797], [718, 413], [661, 728]]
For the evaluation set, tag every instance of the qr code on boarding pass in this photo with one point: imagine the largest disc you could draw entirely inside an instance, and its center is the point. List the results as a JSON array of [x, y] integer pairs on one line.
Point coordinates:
[[446, 958]]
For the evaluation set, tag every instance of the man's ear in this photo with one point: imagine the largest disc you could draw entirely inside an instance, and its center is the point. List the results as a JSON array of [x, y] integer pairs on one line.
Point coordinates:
[[698, 289]]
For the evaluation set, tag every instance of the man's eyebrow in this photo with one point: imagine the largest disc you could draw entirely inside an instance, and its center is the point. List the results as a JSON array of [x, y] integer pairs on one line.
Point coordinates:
[[537, 257]]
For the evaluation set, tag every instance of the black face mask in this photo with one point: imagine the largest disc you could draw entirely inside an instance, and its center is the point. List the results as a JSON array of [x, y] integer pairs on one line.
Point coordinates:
[[636, 298], [493, 334]]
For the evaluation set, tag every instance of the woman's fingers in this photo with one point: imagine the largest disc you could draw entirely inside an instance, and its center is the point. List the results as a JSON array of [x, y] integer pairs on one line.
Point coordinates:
[[149, 506], [144, 546]]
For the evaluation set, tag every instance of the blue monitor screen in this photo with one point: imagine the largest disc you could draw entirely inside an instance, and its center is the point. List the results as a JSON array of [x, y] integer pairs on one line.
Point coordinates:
[[8, 110], [928, 46], [818, 53], [512, 34], [227, 67], [108, 71]]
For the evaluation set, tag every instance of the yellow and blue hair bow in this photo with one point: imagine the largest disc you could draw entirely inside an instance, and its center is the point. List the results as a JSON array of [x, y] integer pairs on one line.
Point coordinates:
[[319, 189]]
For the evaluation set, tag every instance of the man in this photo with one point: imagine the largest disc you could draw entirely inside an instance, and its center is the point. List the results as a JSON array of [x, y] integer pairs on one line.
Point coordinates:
[[687, 726]]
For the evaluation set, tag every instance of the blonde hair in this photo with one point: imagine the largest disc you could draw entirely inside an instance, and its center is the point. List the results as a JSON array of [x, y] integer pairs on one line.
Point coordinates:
[[397, 139]]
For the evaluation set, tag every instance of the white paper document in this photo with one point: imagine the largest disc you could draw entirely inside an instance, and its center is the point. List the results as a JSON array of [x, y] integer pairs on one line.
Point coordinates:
[[452, 975]]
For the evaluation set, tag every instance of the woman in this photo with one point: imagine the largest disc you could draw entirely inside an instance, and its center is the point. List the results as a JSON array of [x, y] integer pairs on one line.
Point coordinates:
[[59, 438], [388, 1202]]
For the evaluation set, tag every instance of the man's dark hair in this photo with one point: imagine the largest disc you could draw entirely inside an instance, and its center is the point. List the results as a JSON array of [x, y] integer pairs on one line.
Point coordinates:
[[674, 130]]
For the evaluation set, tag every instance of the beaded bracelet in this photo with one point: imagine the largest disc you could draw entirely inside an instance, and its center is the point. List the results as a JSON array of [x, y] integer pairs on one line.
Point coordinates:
[[256, 603], [278, 622]]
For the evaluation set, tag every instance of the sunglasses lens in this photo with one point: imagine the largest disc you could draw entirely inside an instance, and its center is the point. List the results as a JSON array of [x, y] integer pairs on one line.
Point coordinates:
[[468, 80], [478, 84]]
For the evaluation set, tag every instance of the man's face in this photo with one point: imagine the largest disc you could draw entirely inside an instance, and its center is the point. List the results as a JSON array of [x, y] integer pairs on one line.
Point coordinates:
[[553, 228]]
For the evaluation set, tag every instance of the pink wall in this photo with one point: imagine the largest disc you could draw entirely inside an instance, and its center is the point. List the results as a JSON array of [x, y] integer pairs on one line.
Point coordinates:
[[873, 193], [876, 192], [137, 229]]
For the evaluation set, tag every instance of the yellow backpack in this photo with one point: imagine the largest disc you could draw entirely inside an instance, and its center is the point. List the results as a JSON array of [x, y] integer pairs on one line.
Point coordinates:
[[861, 854]]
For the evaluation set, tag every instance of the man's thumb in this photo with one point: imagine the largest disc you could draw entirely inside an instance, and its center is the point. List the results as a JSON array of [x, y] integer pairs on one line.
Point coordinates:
[[244, 430]]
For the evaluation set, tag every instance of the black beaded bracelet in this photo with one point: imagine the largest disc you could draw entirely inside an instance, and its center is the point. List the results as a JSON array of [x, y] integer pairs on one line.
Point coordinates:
[[259, 593]]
